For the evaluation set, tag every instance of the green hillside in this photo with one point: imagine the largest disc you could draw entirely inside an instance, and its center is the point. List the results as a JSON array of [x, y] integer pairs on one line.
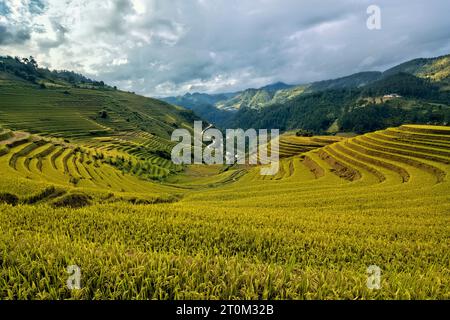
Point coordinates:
[[72, 110], [79, 113], [357, 80], [327, 106], [434, 69]]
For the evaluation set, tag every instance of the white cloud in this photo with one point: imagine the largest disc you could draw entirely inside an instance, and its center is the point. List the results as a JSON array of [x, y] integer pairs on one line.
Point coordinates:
[[119, 62], [139, 6], [160, 47]]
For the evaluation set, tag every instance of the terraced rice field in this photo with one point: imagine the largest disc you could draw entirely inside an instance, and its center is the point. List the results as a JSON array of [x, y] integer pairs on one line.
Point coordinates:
[[66, 165], [133, 126], [309, 232], [74, 113], [291, 145]]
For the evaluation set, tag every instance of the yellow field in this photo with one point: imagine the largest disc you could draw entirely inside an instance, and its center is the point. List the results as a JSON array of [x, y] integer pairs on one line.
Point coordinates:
[[310, 232]]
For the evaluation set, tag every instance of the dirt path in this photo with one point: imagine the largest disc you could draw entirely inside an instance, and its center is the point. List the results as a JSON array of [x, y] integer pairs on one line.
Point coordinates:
[[17, 136]]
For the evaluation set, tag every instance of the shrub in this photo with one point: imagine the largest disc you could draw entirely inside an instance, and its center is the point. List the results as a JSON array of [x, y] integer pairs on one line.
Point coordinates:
[[17, 143], [9, 198], [304, 133], [156, 200], [103, 114], [3, 151], [5, 135], [162, 154], [73, 200], [74, 180], [47, 193]]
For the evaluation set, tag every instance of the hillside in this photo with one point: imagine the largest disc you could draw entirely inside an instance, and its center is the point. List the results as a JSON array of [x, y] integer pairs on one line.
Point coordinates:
[[81, 113], [357, 80], [204, 106], [434, 69], [423, 85], [91, 107], [307, 233]]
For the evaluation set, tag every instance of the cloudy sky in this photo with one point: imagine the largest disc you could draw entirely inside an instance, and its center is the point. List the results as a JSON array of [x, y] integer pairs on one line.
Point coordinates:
[[168, 47]]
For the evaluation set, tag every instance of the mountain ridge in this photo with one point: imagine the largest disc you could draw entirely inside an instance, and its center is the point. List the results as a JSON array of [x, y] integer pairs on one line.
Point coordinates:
[[417, 67], [435, 71]]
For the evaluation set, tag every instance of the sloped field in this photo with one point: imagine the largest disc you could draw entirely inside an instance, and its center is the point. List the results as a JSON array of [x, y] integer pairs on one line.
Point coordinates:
[[310, 232], [77, 113], [32, 159]]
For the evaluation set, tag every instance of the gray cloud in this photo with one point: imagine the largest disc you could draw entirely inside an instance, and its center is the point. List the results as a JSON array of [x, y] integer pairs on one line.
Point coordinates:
[[159, 47], [9, 35], [60, 37]]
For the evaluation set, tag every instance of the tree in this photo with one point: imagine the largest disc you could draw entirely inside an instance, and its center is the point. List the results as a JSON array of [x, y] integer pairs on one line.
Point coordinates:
[[303, 133], [103, 114], [33, 62]]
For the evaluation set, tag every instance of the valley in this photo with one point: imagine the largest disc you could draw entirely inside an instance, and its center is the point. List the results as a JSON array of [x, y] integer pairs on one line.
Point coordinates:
[[331, 106]]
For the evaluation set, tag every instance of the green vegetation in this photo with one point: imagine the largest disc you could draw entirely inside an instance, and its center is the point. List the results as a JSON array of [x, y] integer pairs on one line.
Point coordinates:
[[304, 133], [435, 69], [29, 70], [88, 123], [344, 104]]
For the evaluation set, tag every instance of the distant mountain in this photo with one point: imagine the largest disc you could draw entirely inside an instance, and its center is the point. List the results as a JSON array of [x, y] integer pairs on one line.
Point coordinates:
[[193, 99], [250, 98], [356, 80], [219, 108], [434, 69], [403, 84], [387, 102], [331, 105], [204, 105], [277, 86]]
